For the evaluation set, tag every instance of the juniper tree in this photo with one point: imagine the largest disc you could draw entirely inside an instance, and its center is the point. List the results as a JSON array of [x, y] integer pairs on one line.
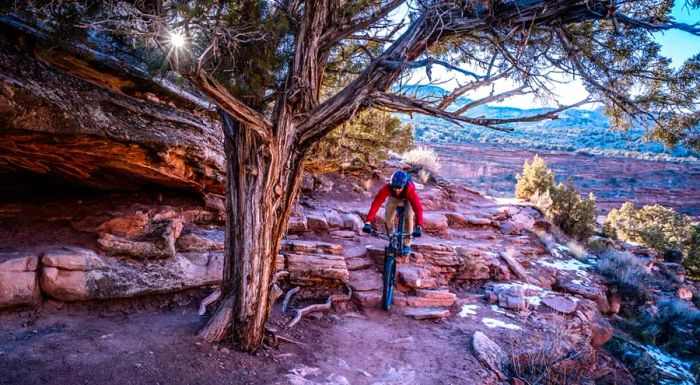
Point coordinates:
[[284, 73]]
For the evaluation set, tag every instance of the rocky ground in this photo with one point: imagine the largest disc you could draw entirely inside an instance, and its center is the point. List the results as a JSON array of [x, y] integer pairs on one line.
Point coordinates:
[[484, 265]]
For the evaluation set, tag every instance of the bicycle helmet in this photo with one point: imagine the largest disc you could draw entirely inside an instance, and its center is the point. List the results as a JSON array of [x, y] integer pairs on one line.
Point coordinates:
[[399, 179]]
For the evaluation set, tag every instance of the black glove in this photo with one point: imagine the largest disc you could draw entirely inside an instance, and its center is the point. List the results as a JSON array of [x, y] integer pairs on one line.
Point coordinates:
[[417, 232], [367, 228]]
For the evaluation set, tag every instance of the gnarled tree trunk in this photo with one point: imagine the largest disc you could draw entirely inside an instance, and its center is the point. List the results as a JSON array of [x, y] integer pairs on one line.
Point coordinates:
[[262, 180]]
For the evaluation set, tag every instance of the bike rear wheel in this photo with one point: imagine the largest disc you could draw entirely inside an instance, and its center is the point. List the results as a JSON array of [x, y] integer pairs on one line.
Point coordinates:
[[388, 279]]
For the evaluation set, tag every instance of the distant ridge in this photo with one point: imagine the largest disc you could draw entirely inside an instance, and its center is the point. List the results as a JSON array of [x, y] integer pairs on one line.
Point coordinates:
[[584, 131]]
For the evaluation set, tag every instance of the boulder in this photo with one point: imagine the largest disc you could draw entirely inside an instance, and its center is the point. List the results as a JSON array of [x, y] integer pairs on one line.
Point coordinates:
[[157, 241], [296, 225], [365, 280], [473, 266], [367, 299], [298, 246], [343, 234], [358, 263], [420, 313], [456, 220], [414, 276], [352, 222], [489, 353], [435, 223], [685, 293], [316, 222], [75, 274], [560, 304], [201, 240], [18, 279], [423, 302], [476, 221], [334, 220], [130, 225], [317, 269], [593, 293]]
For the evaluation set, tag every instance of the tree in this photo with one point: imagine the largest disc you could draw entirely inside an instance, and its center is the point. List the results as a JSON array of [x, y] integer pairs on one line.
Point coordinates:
[[283, 74]]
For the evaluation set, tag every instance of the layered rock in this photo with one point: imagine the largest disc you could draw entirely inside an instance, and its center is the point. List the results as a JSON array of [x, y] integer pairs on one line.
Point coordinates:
[[78, 115], [76, 274], [18, 279]]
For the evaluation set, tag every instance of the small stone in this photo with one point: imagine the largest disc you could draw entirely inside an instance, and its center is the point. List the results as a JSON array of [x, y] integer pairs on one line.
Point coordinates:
[[685, 293], [560, 304]]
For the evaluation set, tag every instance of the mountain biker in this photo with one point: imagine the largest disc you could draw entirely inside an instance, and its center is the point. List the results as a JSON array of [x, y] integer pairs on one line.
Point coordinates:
[[399, 190]]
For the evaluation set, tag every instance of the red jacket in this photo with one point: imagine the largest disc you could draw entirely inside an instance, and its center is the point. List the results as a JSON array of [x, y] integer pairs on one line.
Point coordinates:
[[408, 193]]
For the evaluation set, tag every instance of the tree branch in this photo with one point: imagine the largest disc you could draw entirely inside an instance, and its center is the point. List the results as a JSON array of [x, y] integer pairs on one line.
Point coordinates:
[[693, 29], [227, 102], [428, 63], [437, 22], [331, 37], [401, 103], [491, 99], [459, 91]]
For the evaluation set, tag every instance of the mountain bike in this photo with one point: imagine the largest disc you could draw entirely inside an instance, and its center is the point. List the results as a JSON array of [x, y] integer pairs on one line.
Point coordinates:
[[391, 252]]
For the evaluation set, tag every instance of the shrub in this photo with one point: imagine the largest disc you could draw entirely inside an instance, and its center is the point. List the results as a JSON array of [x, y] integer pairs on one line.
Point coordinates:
[[675, 326], [536, 178], [657, 227], [550, 355], [625, 273], [361, 143], [573, 214], [422, 158], [692, 260]]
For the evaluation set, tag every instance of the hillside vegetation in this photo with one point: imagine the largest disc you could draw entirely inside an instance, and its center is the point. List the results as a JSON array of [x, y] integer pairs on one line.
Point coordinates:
[[586, 131]]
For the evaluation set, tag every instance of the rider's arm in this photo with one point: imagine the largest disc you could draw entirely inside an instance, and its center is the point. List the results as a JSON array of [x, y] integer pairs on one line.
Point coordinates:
[[383, 193], [412, 197]]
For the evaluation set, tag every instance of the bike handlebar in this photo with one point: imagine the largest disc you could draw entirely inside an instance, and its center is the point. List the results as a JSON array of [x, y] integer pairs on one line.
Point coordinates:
[[377, 233]]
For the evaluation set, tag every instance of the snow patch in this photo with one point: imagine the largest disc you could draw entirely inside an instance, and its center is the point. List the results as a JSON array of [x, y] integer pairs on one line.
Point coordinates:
[[468, 310], [494, 323], [497, 309], [572, 265], [678, 370]]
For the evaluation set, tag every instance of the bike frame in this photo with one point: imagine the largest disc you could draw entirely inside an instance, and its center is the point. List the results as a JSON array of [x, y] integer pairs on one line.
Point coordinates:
[[391, 252]]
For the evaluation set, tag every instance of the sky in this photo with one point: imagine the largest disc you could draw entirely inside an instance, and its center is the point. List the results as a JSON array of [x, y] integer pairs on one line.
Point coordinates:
[[676, 45]]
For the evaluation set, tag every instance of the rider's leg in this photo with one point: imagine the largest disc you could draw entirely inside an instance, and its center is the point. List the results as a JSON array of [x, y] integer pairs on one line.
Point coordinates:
[[390, 213], [408, 222]]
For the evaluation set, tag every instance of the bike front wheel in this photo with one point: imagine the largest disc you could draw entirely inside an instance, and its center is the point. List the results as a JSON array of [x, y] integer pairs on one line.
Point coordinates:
[[388, 278]]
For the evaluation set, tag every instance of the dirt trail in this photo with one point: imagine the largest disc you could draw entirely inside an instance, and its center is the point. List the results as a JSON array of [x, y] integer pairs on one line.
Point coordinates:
[[153, 341]]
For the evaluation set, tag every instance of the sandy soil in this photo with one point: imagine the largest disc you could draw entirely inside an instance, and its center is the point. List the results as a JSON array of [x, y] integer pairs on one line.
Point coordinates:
[[152, 341]]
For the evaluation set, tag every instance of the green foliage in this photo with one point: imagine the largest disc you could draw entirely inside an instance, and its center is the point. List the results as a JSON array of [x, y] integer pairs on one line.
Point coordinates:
[[654, 226], [562, 203], [657, 227], [573, 214], [535, 178], [363, 142], [692, 259]]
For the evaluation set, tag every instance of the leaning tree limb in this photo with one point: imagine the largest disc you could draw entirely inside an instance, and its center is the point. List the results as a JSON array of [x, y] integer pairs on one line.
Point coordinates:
[[319, 307], [211, 298], [288, 297], [215, 330]]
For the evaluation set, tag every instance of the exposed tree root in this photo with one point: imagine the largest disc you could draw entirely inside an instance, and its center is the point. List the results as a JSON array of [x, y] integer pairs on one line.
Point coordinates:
[[219, 324], [310, 309], [211, 298], [320, 307], [288, 297]]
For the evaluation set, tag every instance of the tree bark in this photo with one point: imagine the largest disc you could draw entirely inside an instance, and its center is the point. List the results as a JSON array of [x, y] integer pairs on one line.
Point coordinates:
[[262, 181]]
